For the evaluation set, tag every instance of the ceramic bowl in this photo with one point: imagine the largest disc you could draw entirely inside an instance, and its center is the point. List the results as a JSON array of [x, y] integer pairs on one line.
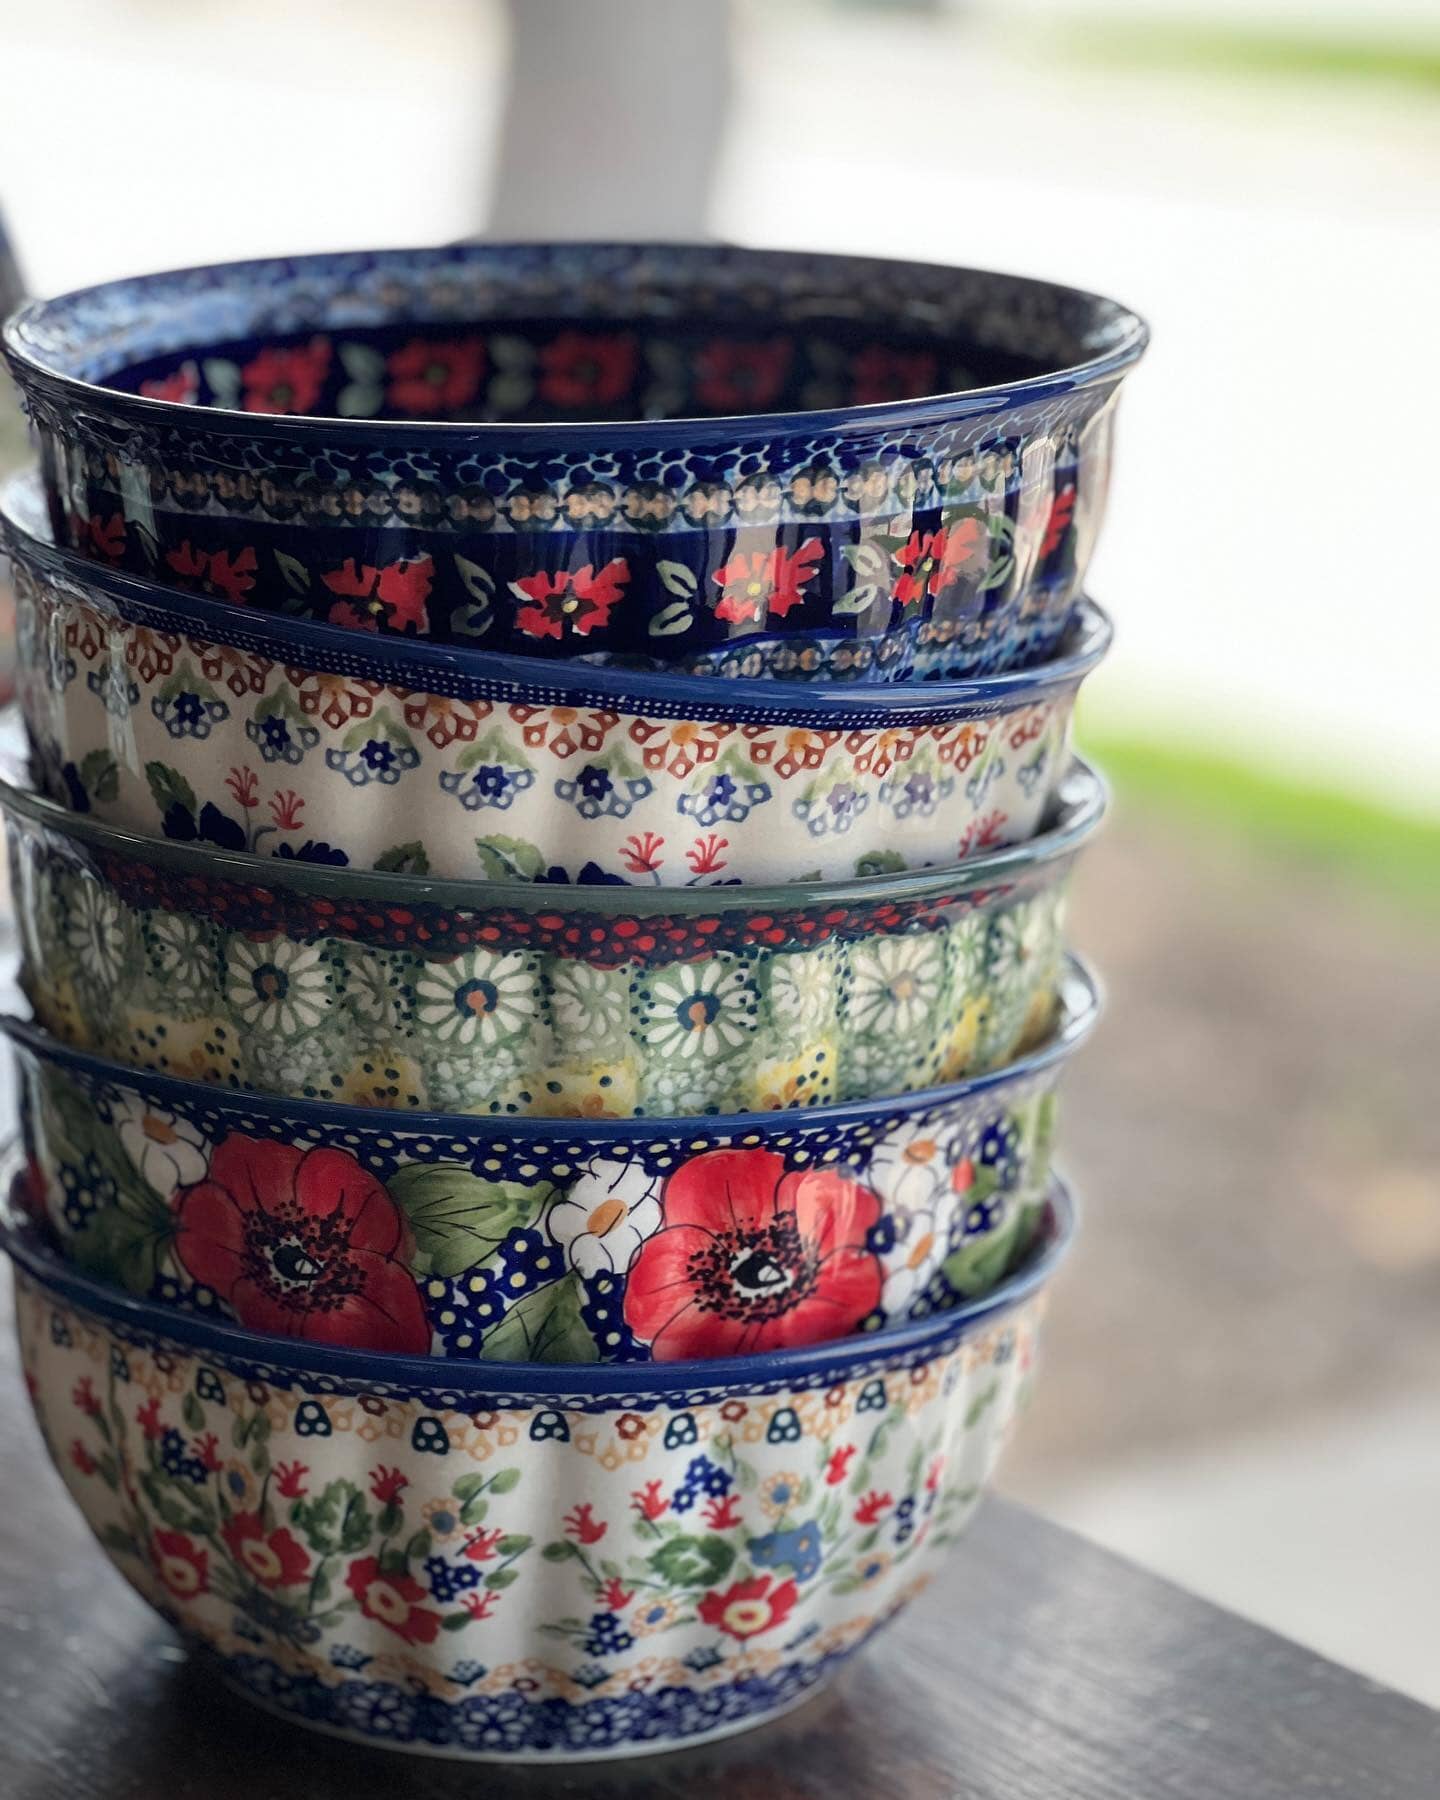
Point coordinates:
[[614, 1241], [513, 1561], [699, 456], [196, 719], [292, 978]]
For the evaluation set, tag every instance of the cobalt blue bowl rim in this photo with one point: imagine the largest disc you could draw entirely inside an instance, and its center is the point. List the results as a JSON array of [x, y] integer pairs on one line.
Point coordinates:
[[1081, 1000], [915, 1339], [36, 363], [454, 670], [1081, 799]]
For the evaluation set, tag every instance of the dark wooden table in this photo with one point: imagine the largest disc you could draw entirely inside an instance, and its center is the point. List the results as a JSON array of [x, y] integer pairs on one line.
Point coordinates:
[[1035, 1668]]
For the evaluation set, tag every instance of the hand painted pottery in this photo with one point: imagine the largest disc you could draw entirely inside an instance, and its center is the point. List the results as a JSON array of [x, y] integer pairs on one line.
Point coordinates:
[[292, 739], [699, 456], [512, 1561], [510, 998], [532, 1241]]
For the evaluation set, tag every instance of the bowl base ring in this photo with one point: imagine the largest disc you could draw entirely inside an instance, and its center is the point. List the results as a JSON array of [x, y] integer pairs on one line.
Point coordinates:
[[456, 1753]]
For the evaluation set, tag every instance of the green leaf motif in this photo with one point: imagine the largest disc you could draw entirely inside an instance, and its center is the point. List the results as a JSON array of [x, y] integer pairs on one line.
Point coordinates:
[[501, 1578], [293, 572], [509, 859], [100, 775], [478, 582], [676, 579], [362, 362], [192, 1413], [336, 1520], [546, 1326], [560, 1551], [223, 378], [460, 1219], [693, 1561], [505, 1481], [407, 859], [513, 1543], [168, 787], [672, 619]]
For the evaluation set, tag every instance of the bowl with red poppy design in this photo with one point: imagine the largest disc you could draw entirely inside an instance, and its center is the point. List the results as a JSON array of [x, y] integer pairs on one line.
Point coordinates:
[[202, 721], [727, 460], [513, 1560], [539, 1240], [386, 988]]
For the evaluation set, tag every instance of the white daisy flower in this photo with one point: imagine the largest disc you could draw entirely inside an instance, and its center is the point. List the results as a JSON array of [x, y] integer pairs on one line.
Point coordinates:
[[895, 983], [700, 1010], [802, 990], [1020, 938], [921, 1239], [482, 998], [95, 932], [182, 958], [606, 1216], [369, 986], [169, 1152], [911, 1167], [968, 949], [277, 987], [590, 1006]]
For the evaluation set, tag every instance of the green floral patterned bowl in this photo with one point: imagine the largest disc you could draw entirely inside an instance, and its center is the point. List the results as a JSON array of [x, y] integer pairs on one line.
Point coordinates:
[[389, 990]]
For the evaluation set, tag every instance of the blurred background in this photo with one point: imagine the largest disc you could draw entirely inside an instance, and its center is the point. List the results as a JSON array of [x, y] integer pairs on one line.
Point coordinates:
[[1243, 1380]]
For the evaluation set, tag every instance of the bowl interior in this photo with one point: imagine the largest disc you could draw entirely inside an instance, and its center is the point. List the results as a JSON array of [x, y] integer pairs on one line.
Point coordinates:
[[563, 334]]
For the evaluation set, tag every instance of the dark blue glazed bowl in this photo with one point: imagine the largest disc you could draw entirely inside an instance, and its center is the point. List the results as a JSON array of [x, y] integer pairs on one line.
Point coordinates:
[[731, 461]]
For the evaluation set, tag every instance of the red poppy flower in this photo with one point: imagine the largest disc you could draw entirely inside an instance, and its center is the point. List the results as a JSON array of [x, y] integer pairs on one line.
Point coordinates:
[[757, 583], [736, 377], [577, 598], [303, 1243], [183, 385], [751, 1258], [882, 374], [397, 594], [746, 1608], [181, 1564], [273, 1558], [106, 536], [286, 381], [430, 379], [1062, 511], [583, 369], [393, 1601], [933, 560], [216, 571]]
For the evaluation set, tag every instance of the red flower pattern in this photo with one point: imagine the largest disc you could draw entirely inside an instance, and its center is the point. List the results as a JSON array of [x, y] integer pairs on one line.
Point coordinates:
[[582, 1525], [430, 379], [584, 369], [394, 595], [393, 1600], [1062, 512], [302, 1243], [731, 376], [932, 561], [838, 1466], [216, 571], [746, 1608], [759, 584], [722, 1515], [880, 374], [752, 1258], [290, 1480], [286, 381], [576, 598], [873, 1507], [387, 1485], [272, 1558], [640, 853], [182, 385], [649, 1501], [181, 1563]]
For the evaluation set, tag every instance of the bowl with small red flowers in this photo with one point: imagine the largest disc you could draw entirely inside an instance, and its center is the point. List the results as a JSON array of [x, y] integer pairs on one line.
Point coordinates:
[[512, 1560], [717, 459], [203, 721], [540, 1240]]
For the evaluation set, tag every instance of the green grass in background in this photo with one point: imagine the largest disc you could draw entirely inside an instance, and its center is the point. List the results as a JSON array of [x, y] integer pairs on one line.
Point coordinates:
[[1198, 46], [1391, 851]]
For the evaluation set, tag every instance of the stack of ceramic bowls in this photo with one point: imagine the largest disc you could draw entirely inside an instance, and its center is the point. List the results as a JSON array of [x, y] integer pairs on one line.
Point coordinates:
[[540, 876]]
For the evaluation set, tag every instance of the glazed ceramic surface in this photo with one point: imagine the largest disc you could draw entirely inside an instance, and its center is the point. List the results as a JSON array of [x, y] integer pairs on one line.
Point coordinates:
[[292, 978], [297, 740], [723, 459], [667, 1240], [519, 1562]]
